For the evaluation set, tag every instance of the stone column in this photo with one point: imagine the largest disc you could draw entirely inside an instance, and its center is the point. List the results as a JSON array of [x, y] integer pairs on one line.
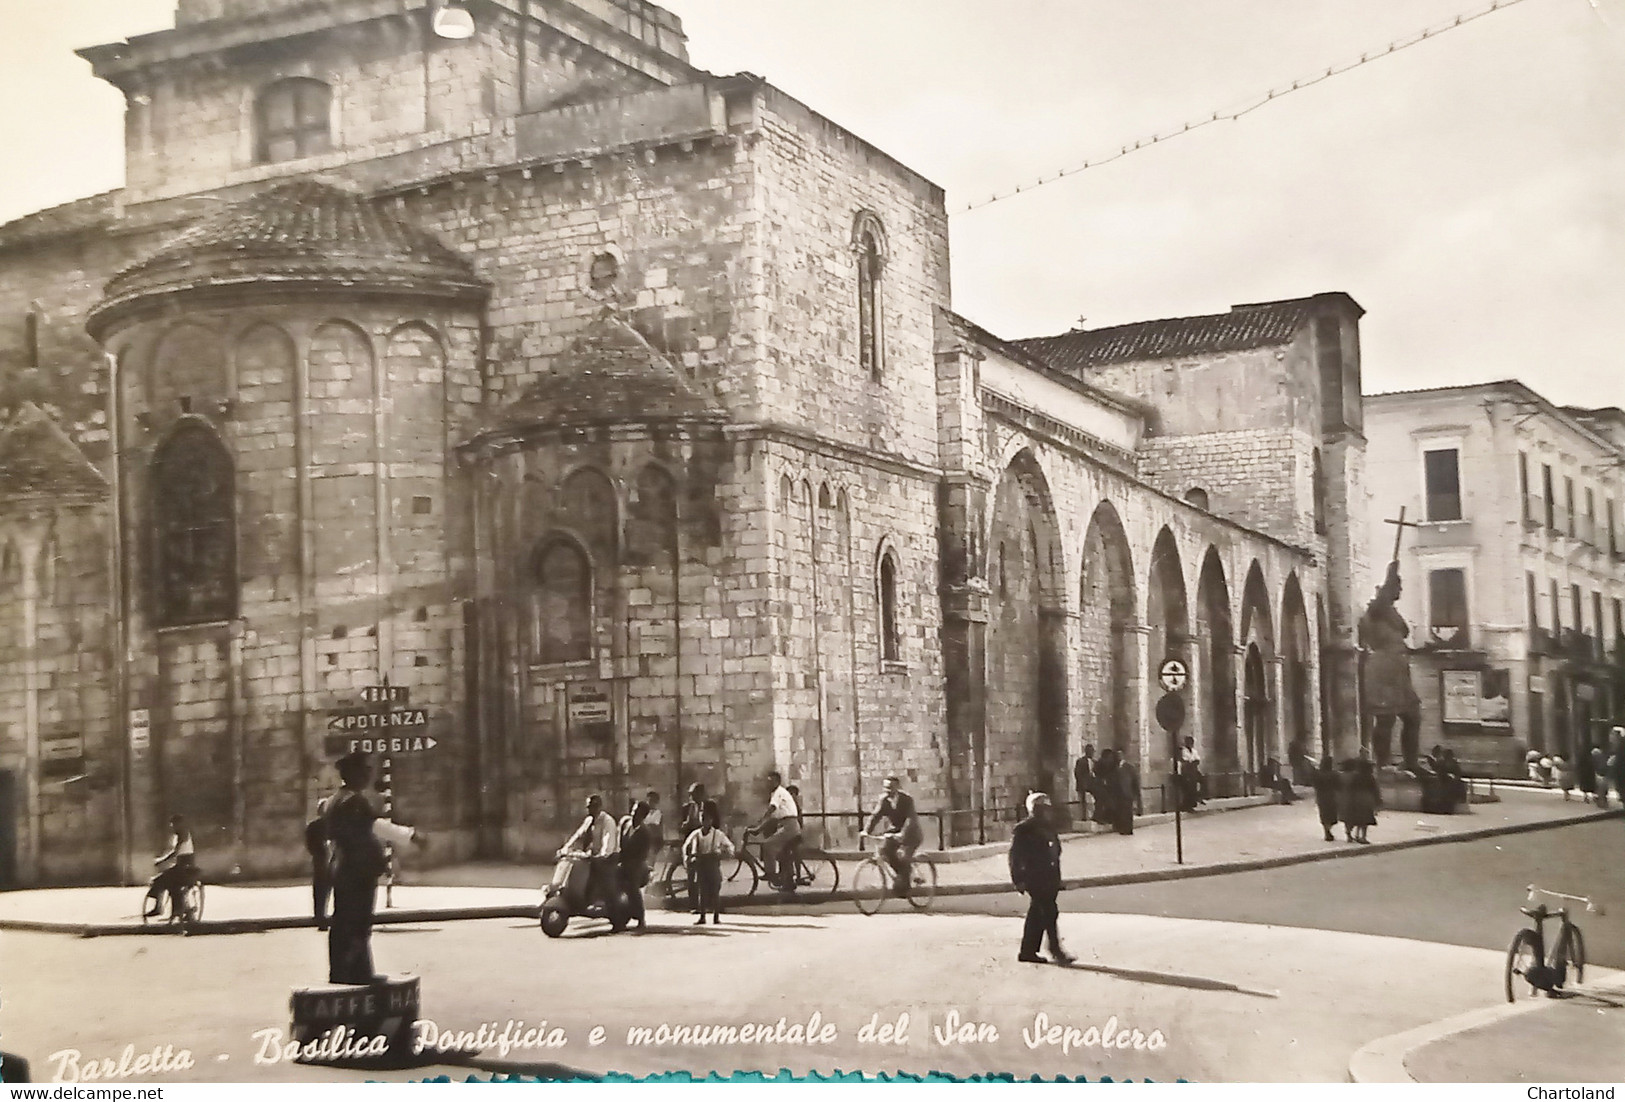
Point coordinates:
[[961, 504]]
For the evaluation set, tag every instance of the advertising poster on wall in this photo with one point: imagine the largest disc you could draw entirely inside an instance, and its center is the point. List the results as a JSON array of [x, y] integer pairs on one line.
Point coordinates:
[[1461, 693]]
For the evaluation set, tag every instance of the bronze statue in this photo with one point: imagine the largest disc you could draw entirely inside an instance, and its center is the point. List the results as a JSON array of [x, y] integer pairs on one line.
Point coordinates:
[[1387, 689]]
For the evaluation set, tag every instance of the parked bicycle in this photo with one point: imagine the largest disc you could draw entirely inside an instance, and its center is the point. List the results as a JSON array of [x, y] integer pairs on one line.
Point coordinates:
[[191, 898], [874, 881], [674, 880], [1527, 958], [812, 869]]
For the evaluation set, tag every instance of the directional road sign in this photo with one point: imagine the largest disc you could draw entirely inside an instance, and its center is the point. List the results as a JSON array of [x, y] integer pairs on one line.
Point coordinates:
[[339, 745], [393, 720]]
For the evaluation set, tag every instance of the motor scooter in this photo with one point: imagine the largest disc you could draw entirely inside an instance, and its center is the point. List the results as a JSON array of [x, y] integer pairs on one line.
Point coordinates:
[[568, 897]]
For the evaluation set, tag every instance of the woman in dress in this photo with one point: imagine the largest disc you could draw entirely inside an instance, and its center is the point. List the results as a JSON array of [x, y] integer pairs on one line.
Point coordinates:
[[1363, 798], [1327, 787], [1126, 780]]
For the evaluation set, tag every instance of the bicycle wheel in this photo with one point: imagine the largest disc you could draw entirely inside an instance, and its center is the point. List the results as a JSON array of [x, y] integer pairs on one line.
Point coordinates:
[[1571, 949], [745, 873], [193, 898], [820, 875], [870, 883], [1522, 955], [674, 886], [146, 906], [922, 884]]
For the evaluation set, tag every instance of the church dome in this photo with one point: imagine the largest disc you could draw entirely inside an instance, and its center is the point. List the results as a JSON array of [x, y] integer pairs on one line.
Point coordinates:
[[300, 236], [610, 375]]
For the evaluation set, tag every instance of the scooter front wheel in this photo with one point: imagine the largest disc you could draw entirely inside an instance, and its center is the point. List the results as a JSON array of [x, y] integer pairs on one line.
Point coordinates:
[[554, 919]]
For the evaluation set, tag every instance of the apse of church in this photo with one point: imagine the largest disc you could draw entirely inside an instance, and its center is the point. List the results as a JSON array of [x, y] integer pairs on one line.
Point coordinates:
[[613, 411]]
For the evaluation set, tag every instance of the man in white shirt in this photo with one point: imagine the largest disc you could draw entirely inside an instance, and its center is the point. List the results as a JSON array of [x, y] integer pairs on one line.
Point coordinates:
[[780, 830], [598, 842]]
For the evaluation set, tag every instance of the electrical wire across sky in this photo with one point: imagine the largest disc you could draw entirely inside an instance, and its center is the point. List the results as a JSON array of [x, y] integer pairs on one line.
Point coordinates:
[[1254, 103]]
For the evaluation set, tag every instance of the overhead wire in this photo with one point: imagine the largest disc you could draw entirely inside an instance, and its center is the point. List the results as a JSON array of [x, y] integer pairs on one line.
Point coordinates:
[[1255, 102]]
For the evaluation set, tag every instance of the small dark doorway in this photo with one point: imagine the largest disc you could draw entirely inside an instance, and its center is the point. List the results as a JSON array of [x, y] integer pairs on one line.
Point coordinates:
[[1257, 711]]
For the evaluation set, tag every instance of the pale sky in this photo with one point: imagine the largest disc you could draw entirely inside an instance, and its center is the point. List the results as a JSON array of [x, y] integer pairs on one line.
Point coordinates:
[[1469, 191]]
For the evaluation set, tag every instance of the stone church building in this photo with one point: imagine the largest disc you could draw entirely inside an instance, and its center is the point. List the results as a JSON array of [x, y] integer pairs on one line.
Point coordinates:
[[618, 412]]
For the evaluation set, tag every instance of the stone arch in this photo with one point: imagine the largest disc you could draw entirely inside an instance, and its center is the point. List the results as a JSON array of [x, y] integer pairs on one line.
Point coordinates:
[[1166, 613], [341, 364], [188, 369], [651, 519], [586, 503], [1026, 743], [1107, 655], [1258, 719], [1218, 670], [1297, 694], [888, 584]]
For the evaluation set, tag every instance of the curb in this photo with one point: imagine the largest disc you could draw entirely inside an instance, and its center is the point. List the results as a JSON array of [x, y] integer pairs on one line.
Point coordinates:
[[1191, 872], [1383, 1060], [261, 925]]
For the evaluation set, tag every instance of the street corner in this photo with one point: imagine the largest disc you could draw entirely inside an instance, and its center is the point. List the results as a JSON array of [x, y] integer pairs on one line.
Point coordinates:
[[1530, 1040]]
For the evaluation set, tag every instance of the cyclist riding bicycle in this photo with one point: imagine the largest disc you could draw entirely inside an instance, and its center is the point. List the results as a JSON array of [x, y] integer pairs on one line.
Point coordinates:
[[780, 831], [897, 825], [180, 874]]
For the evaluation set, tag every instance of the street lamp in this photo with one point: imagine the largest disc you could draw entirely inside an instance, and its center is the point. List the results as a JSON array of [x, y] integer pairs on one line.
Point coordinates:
[[451, 20]]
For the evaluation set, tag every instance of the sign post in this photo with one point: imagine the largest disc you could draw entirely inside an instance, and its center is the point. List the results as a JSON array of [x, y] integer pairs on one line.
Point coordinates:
[[386, 724], [1173, 677]]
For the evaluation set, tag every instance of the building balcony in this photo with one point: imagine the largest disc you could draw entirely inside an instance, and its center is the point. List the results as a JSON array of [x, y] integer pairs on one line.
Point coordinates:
[[1542, 641]]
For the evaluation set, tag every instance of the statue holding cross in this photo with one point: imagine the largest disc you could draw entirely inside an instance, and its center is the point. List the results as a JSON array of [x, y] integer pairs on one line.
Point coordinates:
[[1388, 693]]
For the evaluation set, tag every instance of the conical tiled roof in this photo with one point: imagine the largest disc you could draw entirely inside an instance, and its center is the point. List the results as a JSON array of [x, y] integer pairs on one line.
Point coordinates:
[[38, 461], [610, 375], [302, 235]]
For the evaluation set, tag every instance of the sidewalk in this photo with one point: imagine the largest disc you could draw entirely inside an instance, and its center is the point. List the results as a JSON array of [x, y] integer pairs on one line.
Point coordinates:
[[1215, 842], [1570, 1040]]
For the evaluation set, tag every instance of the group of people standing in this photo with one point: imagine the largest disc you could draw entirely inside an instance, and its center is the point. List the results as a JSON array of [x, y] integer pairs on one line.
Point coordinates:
[[1110, 785], [1592, 771]]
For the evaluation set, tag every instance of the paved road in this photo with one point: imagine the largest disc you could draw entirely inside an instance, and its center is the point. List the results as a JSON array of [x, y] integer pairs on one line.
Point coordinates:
[[1310, 998], [1465, 894]]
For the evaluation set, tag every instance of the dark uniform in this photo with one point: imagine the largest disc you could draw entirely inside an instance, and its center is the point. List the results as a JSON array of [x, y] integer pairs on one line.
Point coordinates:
[[358, 862], [1035, 868]]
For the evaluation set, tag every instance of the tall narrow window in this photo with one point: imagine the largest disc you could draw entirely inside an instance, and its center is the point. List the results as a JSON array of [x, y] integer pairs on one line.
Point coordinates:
[[869, 245], [1447, 606], [1619, 622], [1613, 530], [292, 119], [194, 505], [1589, 532], [1443, 476], [1577, 606], [1596, 620], [1533, 609], [890, 648], [563, 603], [1318, 492], [1557, 608], [1523, 487], [1568, 500], [1548, 496]]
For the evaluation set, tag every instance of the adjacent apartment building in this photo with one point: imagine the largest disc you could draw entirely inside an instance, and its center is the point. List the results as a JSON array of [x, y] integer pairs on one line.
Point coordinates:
[[1515, 577]]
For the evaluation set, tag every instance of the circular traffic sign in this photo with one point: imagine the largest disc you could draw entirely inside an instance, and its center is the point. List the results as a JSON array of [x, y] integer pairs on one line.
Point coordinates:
[[1171, 712], [1172, 674]]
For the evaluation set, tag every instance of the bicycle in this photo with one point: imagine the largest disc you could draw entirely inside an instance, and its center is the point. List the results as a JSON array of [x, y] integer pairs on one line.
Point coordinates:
[[674, 881], [191, 901], [1527, 957], [874, 880], [811, 868]]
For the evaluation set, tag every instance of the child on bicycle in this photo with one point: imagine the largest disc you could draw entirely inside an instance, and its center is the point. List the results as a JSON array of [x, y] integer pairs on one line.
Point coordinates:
[[703, 851], [178, 876]]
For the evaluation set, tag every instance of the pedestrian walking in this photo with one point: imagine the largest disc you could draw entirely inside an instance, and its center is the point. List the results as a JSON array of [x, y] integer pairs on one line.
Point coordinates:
[[1563, 770], [1599, 769], [1363, 797], [321, 882], [1616, 762], [1277, 783], [1328, 785], [1083, 776], [703, 851], [356, 835], [1585, 775], [1126, 793], [1035, 870], [636, 850], [1104, 788]]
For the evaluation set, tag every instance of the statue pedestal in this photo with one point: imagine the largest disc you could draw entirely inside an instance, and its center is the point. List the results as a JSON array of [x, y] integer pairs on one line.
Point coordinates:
[[342, 1024], [1400, 790]]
